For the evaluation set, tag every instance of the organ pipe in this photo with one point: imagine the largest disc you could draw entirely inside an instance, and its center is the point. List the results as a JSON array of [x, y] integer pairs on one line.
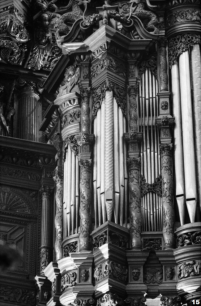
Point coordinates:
[[188, 135], [179, 164]]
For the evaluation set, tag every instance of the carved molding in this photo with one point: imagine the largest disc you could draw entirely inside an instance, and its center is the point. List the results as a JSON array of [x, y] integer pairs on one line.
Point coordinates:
[[181, 43], [152, 244]]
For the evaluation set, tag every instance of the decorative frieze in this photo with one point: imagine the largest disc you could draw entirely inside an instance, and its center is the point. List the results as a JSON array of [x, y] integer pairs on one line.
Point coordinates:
[[108, 63], [100, 240], [190, 238], [183, 15], [19, 174], [26, 297], [152, 244], [181, 43]]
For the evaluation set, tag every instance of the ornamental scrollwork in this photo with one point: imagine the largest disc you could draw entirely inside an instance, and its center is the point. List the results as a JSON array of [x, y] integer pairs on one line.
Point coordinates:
[[156, 187], [100, 240], [191, 238], [110, 64], [170, 301], [152, 244], [183, 16], [20, 296], [70, 248], [181, 43], [68, 279]]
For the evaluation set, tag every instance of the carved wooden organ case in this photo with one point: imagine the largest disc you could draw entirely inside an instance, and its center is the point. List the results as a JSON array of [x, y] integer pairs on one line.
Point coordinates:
[[119, 103]]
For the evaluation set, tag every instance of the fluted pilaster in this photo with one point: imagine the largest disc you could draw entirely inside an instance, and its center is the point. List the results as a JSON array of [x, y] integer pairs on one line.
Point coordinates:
[[29, 114], [59, 214], [45, 252]]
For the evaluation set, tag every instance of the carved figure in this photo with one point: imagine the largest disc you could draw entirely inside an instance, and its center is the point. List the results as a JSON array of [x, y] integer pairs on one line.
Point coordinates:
[[189, 268], [71, 78], [140, 11], [169, 273], [84, 275], [136, 274], [44, 259], [98, 272]]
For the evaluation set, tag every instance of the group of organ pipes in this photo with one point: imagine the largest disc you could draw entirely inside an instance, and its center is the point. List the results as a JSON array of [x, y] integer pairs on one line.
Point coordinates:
[[112, 197]]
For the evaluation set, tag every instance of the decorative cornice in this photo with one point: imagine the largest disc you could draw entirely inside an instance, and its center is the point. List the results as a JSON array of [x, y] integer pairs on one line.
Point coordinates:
[[181, 43]]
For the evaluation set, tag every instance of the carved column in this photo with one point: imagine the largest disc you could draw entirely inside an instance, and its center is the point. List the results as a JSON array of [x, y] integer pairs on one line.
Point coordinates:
[[134, 202], [85, 140], [59, 213], [85, 204], [45, 252], [167, 195], [163, 77], [29, 114]]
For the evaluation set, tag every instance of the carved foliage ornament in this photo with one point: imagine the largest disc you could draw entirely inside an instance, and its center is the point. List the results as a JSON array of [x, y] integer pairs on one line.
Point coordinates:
[[152, 244], [111, 269], [171, 301], [68, 280], [109, 299], [18, 296], [108, 63], [156, 187], [189, 268], [191, 238], [181, 43], [153, 276], [70, 248], [180, 2], [184, 16], [169, 273]]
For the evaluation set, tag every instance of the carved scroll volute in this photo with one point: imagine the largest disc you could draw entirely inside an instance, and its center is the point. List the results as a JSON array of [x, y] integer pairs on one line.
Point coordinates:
[[167, 195], [85, 204], [59, 213], [134, 202], [163, 65]]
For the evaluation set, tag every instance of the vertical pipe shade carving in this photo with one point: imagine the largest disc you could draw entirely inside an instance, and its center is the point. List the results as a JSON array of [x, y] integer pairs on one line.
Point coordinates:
[[119, 172], [71, 194], [151, 202]]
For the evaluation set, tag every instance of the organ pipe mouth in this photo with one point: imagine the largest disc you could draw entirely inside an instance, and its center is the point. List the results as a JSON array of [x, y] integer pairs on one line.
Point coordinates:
[[191, 199], [180, 195]]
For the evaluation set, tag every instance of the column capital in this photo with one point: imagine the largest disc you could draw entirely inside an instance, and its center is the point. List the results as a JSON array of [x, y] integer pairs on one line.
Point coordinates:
[[133, 137], [165, 121], [86, 163]]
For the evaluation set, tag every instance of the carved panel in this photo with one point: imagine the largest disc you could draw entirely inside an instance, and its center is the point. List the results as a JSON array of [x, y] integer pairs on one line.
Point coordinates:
[[183, 15], [111, 269], [169, 273], [153, 275], [189, 268], [70, 248], [190, 238], [24, 297], [68, 279], [152, 244]]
